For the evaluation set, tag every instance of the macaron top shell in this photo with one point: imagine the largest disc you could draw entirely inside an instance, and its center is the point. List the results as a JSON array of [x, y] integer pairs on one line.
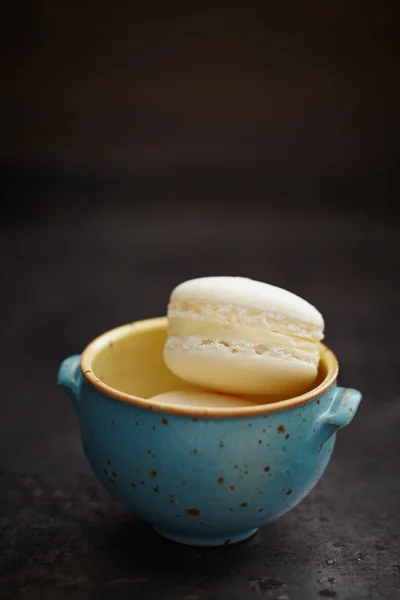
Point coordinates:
[[255, 294]]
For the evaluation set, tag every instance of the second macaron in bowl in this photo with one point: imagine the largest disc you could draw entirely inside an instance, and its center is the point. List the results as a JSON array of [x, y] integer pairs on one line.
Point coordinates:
[[201, 474]]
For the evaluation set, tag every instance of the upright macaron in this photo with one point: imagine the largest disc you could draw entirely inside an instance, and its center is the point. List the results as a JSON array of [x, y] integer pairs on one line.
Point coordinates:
[[240, 336]]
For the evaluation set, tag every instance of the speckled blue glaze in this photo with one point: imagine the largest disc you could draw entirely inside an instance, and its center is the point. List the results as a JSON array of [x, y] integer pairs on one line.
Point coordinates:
[[206, 481]]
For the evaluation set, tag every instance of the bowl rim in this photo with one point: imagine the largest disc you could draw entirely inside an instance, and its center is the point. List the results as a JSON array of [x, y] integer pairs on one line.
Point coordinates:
[[159, 323]]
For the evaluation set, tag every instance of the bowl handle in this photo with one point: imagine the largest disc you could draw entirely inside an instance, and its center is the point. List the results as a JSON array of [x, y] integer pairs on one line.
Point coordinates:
[[340, 413], [70, 378]]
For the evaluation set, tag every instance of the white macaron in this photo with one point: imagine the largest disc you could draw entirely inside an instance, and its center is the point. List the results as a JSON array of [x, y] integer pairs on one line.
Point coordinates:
[[240, 336], [201, 399]]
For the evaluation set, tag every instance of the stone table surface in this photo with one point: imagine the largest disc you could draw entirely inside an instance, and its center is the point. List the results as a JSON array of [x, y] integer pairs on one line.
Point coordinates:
[[77, 267]]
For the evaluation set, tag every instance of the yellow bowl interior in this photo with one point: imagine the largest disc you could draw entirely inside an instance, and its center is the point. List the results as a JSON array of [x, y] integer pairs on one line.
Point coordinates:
[[127, 362]]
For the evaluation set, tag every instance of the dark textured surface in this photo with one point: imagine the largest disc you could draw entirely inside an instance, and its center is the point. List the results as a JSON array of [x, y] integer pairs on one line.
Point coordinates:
[[71, 275]]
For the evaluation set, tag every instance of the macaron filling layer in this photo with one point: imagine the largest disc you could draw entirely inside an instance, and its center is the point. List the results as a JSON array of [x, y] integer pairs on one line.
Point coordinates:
[[271, 350], [232, 314]]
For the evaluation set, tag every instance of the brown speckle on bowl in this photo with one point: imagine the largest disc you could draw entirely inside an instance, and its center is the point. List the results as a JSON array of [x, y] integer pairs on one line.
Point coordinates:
[[153, 474], [114, 474], [318, 402], [287, 436], [220, 480], [156, 489], [281, 429], [221, 444], [260, 509], [267, 468], [133, 485], [264, 430], [227, 542], [288, 492], [231, 488], [243, 505], [108, 461], [192, 512], [260, 441], [164, 421], [171, 501], [142, 482], [195, 451]]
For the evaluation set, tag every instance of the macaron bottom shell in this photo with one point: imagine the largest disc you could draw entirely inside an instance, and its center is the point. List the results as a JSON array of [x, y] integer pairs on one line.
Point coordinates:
[[241, 373]]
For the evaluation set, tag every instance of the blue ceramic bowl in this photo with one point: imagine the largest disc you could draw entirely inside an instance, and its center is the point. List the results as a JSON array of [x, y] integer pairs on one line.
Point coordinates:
[[200, 476]]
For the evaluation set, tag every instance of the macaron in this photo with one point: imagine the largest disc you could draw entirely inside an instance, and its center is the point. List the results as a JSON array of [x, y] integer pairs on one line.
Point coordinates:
[[201, 399], [239, 336]]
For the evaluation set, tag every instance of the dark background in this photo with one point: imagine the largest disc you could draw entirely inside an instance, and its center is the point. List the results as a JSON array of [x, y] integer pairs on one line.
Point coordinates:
[[148, 143]]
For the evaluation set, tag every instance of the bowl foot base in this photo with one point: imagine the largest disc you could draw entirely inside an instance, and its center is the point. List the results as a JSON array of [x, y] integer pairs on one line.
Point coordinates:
[[202, 541]]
